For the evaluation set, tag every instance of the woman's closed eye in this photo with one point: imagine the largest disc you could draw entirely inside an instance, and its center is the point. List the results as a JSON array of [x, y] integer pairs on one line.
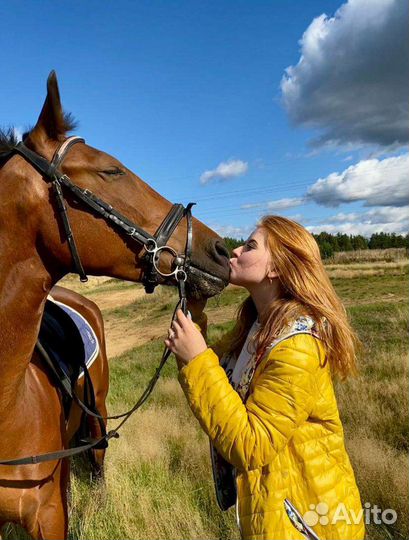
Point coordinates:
[[250, 244]]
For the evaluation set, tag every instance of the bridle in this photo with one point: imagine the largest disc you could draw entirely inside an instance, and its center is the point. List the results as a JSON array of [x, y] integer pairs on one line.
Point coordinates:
[[155, 245]]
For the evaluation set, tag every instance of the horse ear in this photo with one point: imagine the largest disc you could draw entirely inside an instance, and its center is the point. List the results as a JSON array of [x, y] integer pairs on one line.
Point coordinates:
[[52, 123]]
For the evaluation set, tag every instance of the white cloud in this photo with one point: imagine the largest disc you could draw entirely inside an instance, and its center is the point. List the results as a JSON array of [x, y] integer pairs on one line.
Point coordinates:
[[234, 232], [299, 218], [376, 182], [351, 80], [387, 219], [383, 215], [280, 204], [225, 170], [365, 229]]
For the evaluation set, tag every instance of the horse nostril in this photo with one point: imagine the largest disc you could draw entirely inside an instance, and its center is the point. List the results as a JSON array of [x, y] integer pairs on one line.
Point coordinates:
[[221, 252]]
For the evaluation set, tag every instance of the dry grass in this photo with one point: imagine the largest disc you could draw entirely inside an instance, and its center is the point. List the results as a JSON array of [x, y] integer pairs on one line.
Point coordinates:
[[381, 268], [158, 479], [382, 474], [368, 255]]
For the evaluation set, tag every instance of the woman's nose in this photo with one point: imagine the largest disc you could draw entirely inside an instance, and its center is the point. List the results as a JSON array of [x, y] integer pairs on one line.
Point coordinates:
[[236, 252]]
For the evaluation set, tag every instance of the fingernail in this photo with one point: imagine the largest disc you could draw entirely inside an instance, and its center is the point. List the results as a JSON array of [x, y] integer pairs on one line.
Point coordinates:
[[189, 315]]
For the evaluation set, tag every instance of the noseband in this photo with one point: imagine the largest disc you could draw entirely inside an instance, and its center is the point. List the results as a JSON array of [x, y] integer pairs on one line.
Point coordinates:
[[155, 245]]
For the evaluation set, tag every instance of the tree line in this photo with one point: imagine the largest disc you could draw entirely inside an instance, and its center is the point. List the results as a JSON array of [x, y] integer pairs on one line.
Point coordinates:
[[332, 243]]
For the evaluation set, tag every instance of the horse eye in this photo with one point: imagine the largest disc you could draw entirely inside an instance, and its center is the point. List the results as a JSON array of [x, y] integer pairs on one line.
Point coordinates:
[[113, 171]]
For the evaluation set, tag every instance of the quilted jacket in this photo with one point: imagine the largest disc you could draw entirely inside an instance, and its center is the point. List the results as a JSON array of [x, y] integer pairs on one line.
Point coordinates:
[[285, 441]]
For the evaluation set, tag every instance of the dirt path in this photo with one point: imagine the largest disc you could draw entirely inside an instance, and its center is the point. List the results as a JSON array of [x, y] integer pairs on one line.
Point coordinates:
[[122, 334], [110, 300]]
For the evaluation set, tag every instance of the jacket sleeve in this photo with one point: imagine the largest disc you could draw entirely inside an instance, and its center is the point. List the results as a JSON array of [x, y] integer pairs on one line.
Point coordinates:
[[249, 435]]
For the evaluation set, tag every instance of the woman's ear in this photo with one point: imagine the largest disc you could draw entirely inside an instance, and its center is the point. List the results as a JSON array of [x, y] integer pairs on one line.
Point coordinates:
[[271, 274]]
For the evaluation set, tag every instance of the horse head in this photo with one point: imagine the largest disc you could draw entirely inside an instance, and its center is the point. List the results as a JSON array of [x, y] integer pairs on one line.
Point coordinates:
[[103, 250]]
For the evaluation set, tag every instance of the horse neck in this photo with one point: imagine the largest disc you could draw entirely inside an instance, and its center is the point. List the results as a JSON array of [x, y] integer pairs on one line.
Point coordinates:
[[24, 285]]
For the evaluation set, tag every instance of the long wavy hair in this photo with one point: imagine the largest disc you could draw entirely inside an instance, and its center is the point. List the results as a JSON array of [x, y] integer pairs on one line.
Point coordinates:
[[305, 290]]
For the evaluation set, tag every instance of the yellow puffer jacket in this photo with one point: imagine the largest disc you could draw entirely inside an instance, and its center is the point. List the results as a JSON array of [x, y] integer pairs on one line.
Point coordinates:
[[286, 440]]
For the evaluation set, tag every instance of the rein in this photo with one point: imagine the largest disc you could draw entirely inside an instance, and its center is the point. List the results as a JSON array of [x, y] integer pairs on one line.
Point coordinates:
[[154, 245], [101, 442]]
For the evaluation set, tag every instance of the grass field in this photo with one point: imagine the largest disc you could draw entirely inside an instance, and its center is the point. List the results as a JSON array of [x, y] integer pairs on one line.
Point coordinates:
[[158, 478]]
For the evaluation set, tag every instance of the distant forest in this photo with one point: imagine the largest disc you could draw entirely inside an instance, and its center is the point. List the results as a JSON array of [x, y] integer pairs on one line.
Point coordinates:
[[331, 243]]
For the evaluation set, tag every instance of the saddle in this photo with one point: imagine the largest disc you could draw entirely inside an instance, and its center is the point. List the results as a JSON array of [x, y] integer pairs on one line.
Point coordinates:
[[68, 346]]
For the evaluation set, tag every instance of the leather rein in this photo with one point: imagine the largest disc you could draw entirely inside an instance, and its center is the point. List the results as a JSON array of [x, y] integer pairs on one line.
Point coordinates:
[[154, 246]]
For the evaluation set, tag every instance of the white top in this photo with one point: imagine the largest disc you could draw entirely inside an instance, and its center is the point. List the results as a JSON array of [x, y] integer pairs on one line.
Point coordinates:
[[235, 368]]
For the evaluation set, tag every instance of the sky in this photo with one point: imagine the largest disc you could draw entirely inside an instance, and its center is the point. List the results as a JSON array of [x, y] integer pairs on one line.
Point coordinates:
[[289, 107]]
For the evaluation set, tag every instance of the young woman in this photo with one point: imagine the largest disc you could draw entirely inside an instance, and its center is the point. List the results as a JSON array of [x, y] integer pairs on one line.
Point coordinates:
[[276, 420]]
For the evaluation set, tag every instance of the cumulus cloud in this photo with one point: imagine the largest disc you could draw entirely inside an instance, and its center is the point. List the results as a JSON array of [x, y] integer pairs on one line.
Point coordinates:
[[351, 80], [234, 232], [389, 219], [280, 204], [365, 229], [386, 214], [373, 181], [225, 170], [299, 218]]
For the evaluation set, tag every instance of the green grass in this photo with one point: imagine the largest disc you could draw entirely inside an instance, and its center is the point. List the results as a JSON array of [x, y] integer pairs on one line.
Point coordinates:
[[152, 306], [369, 288]]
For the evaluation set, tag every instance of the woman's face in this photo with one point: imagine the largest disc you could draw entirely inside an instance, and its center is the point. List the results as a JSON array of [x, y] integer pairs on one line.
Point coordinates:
[[251, 263]]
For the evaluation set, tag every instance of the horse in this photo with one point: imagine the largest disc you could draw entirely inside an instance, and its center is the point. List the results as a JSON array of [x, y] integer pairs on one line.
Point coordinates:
[[35, 254]]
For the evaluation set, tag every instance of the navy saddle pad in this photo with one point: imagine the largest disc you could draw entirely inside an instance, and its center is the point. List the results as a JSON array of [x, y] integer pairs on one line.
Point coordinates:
[[68, 338]]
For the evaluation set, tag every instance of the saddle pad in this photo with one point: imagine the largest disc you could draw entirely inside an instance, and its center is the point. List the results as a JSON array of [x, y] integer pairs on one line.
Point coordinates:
[[88, 336]]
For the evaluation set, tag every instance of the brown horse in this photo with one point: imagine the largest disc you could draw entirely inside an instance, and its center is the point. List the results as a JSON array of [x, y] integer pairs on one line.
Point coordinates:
[[34, 257]]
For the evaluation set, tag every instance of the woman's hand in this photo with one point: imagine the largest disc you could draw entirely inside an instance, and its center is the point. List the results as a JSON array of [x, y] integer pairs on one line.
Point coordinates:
[[184, 339]]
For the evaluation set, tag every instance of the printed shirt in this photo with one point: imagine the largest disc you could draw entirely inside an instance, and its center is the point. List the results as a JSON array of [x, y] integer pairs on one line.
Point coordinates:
[[240, 371]]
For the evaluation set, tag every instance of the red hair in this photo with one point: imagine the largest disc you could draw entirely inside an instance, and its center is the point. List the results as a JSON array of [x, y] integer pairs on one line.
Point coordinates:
[[305, 290]]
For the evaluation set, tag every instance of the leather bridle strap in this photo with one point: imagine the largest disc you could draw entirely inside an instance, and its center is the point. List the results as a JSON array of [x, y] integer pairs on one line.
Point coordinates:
[[182, 274], [62, 209], [154, 244]]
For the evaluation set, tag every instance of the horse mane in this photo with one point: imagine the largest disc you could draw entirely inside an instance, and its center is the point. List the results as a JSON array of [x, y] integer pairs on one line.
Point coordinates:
[[9, 139]]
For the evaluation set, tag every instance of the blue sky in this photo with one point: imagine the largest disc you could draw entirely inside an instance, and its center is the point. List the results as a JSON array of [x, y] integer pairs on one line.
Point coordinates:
[[193, 97]]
